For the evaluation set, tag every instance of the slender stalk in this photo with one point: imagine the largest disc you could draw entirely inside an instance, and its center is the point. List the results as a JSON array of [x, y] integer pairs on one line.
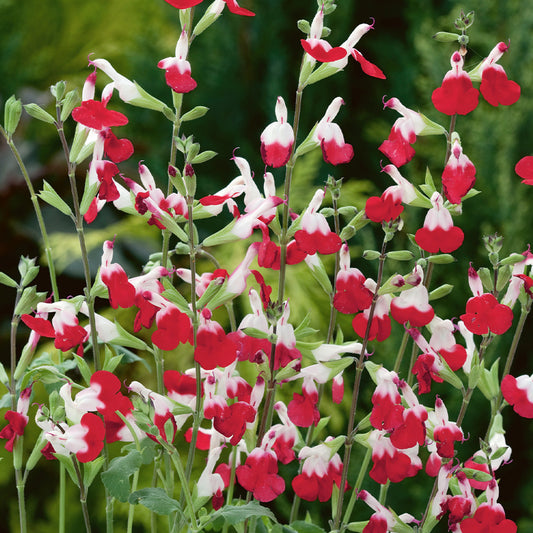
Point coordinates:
[[357, 486], [38, 213], [331, 328], [271, 383], [198, 406], [62, 493], [401, 352], [176, 461], [78, 221], [350, 433], [21, 500], [83, 495]]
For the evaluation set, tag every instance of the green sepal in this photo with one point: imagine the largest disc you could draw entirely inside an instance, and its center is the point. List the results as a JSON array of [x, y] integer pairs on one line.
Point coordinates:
[[39, 113], [50, 196], [196, 112], [90, 470]]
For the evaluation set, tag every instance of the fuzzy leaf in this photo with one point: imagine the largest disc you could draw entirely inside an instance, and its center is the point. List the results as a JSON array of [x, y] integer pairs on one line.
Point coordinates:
[[156, 500], [116, 478]]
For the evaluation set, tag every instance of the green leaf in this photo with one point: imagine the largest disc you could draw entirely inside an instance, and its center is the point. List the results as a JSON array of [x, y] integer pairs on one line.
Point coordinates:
[[50, 196], [66, 460], [306, 527], [39, 113], [116, 478], [90, 470], [6, 280], [203, 157], [156, 500], [236, 514], [196, 112]]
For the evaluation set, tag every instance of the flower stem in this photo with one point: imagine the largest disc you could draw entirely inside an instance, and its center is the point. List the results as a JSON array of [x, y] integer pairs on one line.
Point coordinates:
[[78, 221], [350, 433], [83, 495]]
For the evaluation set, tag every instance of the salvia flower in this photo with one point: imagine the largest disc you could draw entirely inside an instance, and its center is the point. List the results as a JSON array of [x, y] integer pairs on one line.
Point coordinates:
[[438, 233], [495, 87], [459, 174], [330, 137], [318, 48], [489, 516], [178, 69], [17, 420], [315, 234], [277, 138], [456, 95], [518, 392]]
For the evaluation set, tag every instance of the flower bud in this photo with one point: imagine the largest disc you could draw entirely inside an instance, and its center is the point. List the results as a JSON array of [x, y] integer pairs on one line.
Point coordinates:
[[371, 255], [12, 112], [446, 37], [39, 113], [72, 99], [58, 90]]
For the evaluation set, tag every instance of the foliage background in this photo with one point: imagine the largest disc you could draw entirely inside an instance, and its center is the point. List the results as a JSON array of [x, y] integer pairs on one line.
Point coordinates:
[[241, 66]]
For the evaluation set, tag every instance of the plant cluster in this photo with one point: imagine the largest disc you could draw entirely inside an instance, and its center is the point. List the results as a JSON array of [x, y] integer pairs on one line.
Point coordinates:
[[251, 403]]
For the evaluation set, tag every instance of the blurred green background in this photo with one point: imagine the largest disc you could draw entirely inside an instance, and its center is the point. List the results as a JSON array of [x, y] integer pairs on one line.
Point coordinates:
[[241, 66]]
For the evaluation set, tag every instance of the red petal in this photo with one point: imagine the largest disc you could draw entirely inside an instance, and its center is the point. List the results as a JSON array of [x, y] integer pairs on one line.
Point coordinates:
[[183, 4], [319, 51], [237, 10], [497, 89], [336, 154], [456, 95], [368, 67], [524, 168]]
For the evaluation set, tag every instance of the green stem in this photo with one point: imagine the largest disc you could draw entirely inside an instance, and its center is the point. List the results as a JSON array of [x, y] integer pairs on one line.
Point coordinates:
[[78, 221], [331, 328], [401, 352], [38, 213], [350, 433], [271, 383], [176, 461], [21, 500], [62, 493], [83, 495], [358, 485]]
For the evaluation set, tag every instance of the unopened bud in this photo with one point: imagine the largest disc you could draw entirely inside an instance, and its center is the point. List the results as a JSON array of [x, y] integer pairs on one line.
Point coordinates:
[[58, 90], [39, 113], [12, 112], [72, 99], [371, 255], [446, 37]]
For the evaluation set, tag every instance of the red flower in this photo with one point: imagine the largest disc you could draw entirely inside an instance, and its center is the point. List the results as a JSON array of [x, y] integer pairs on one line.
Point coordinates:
[[518, 393], [495, 87], [488, 519], [94, 114], [459, 175], [484, 313], [213, 347], [259, 475], [277, 138], [524, 168], [233, 6], [439, 233], [456, 95]]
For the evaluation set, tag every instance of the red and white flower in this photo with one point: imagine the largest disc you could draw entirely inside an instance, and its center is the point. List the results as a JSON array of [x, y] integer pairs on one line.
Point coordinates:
[[495, 87], [315, 234], [178, 69], [439, 234], [277, 138], [459, 175], [318, 48], [320, 471], [388, 206], [456, 95], [330, 137]]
